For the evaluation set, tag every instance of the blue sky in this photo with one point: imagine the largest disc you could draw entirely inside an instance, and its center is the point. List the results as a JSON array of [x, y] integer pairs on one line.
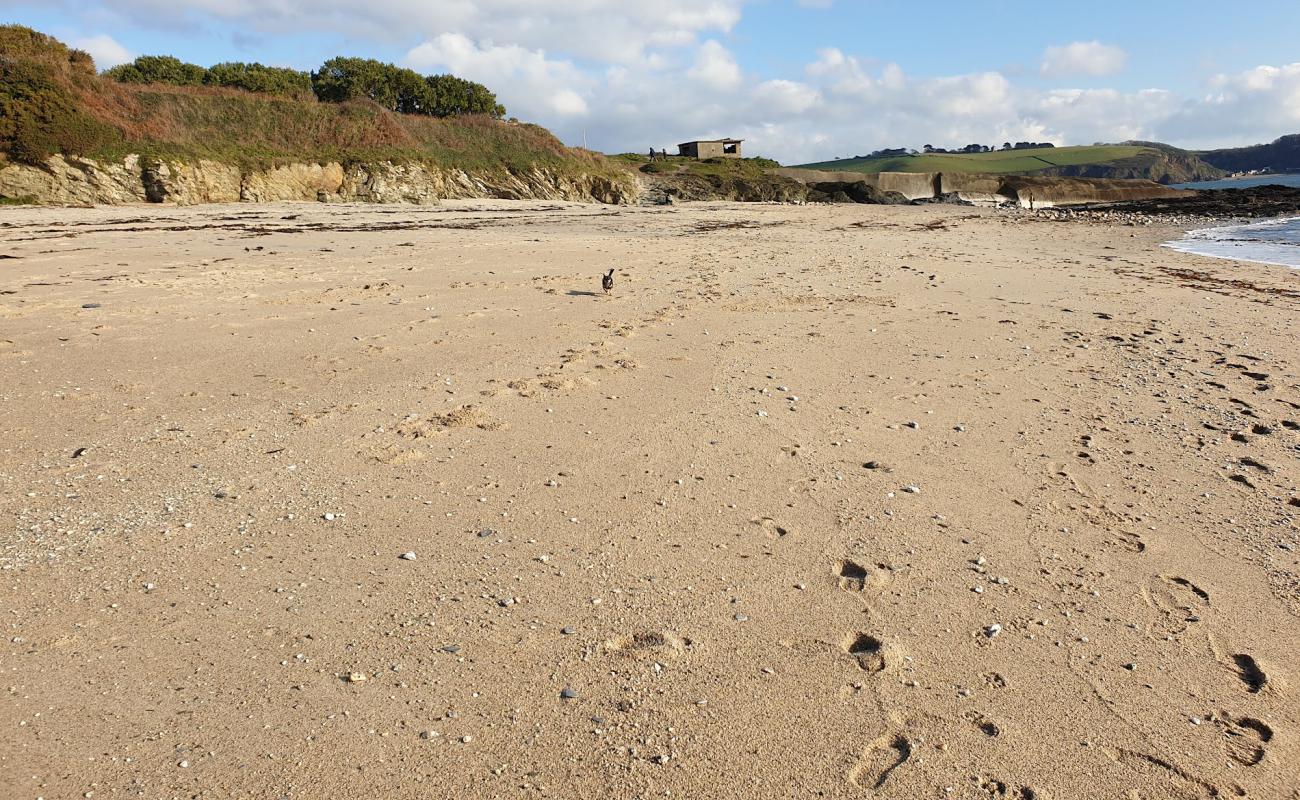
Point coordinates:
[[799, 79]]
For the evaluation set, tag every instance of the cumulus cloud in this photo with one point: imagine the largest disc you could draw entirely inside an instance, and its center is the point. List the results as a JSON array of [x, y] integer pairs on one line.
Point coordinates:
[[531, 85], [1083, 58], [620, 31], [1256, 105], [715, 67], [104, 49]]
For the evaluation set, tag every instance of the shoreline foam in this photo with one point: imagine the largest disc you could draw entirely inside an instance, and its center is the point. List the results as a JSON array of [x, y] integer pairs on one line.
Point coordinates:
[[1218, 242]]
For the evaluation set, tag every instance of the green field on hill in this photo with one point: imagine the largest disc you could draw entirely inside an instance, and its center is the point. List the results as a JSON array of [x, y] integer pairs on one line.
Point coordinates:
[[999, 162]]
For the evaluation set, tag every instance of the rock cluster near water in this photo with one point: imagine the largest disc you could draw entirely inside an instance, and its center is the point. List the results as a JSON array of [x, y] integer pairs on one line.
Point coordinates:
[[1220, 205]]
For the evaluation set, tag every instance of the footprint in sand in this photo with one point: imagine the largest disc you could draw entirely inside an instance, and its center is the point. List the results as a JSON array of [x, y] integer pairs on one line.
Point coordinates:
[[854, 577], [1125, 540], [1250, 672], [660, 644], [982, 723], [879, 760], [1176, 604], [993, 787], [770, 528], [1245, 738], [871, 654]]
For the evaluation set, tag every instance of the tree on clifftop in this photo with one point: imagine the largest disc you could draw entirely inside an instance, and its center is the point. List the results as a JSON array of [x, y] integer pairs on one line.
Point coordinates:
[[454, 95], [344, 78], [403, 90]]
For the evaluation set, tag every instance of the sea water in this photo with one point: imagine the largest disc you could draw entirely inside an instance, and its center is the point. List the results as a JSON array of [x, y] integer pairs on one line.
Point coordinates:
[[1274, 241], [1289, 179]]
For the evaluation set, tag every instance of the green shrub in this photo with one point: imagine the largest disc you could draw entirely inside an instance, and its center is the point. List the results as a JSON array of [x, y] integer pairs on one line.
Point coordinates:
[[259, 78], [159, 69], [453, 96]]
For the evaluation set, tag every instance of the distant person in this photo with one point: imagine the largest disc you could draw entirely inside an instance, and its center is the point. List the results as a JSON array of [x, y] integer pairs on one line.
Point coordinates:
[[665, 153], [652, 154]]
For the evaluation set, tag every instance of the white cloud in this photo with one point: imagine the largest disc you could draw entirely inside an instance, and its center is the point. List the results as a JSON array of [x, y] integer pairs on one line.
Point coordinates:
[[1256, 105], [526, 81], [104, 49], [619, 31], [715, 67], [786, 97], [1083, 58]]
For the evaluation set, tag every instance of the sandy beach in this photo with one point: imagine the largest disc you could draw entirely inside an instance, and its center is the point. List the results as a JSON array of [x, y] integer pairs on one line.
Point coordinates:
[[308, 501]]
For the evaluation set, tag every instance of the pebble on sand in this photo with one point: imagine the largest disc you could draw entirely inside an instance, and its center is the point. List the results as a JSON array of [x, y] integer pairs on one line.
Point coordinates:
[[409, 555], [993, 630]]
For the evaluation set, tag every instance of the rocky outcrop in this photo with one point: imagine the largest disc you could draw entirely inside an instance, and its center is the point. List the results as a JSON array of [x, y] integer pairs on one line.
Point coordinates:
[[292, 182], [854, 192], [187, 184], [75, 182], [83, 181], [1043, 192], [1221, 204], [673, 187], [1036, 192]]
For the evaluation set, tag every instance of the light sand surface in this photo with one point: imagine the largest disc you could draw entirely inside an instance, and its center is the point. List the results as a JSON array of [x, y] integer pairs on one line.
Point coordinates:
[[687, 503]]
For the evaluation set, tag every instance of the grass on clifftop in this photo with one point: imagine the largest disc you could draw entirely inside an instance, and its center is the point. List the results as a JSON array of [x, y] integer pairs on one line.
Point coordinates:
[[995, 163]]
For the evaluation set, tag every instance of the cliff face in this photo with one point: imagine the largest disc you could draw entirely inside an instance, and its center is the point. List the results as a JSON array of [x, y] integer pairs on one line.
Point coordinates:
[[83, 181]]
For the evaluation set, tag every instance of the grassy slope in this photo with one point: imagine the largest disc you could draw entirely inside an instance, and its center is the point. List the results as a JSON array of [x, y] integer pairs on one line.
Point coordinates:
[[1002, 162], [53, 101], [256, 130]]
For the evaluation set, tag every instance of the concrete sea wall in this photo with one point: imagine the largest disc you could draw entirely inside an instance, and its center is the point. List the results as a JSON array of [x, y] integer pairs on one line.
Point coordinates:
[[1042, 192]]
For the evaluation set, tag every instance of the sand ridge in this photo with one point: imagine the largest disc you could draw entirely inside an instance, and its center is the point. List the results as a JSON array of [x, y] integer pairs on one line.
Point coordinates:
[[821, 501]]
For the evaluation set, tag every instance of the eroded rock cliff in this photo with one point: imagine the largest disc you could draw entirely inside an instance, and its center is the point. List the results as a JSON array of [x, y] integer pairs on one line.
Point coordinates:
[[83, 181]]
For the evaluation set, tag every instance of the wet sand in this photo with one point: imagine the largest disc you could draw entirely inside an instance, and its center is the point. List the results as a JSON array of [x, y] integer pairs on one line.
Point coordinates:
[[849, 501]]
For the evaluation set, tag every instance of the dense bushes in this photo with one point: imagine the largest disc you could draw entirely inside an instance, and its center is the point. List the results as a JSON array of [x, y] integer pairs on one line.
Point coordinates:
[[452, 96], [232, 74], [337, 81], [159, 69], [258, 78], [19, 42], [39, 115]]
